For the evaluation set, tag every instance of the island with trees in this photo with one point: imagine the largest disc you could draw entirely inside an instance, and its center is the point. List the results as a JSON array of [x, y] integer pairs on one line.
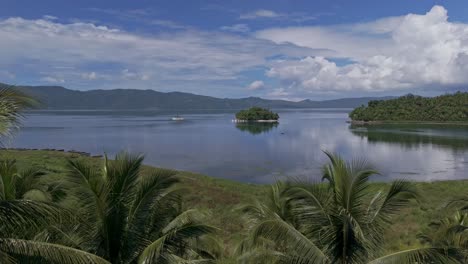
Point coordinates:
[[70, 208], [413, 108], [256, 114]]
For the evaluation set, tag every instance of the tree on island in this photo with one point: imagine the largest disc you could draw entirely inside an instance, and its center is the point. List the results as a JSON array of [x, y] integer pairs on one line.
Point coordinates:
[[449, 107], [256, 113]]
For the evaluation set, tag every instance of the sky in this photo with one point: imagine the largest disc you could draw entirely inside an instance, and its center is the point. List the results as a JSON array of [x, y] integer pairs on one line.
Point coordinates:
[[274, 49]]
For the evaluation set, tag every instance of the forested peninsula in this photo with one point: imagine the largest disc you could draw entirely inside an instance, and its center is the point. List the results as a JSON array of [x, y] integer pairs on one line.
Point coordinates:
[[444, 108]]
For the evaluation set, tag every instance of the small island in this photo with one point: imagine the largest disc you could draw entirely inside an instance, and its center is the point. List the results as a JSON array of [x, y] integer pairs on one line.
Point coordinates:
[[449, 108], [256, 114]]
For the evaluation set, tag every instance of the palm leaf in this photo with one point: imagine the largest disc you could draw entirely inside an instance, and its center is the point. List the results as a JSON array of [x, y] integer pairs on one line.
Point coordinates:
[[279, 230], [52, 253], [12, 104], [422, 255]]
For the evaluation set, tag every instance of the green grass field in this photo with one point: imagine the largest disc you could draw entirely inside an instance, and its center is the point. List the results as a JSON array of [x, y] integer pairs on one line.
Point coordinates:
[[220, 198]]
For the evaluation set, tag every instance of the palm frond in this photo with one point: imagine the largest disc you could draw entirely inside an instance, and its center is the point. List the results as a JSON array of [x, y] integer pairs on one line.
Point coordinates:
[[18, 214], [399, 196], [12, 105], [150, 188], [279, 230], [422, 255], [52, 253]]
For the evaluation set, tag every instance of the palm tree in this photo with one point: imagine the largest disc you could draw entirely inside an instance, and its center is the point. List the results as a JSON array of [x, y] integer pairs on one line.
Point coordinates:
[[17, 214], [450, 232], [26, 184], [12, 105], [341, 222], [130, 217], [20, 217]]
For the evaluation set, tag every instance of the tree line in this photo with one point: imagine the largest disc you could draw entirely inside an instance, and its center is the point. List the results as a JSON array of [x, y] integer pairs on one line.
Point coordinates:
[[256, 113], [120, 213], [449, 107]]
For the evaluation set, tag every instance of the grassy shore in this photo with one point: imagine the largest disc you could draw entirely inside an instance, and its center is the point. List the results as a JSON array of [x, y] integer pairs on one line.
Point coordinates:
[[220, 198]]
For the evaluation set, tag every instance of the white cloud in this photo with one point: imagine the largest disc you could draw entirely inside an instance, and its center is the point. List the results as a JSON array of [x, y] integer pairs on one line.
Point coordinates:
[[89, 76], [130, 75], [58, 49], [278, 93], [395, 53], [261, 13], [256, 85], [50, 79], [237, 28]]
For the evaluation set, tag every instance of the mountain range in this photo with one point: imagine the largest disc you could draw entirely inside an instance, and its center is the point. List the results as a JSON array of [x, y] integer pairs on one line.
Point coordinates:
[[60, 98]]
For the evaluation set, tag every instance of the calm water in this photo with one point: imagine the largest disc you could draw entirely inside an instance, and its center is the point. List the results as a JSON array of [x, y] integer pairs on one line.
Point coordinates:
[[210, 143]]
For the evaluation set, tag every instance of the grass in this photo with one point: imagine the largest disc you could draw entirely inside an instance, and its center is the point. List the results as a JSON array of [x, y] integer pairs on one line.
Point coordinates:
[[219, 198]]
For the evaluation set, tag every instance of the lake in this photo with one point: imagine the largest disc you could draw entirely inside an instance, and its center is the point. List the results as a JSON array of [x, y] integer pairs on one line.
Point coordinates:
[[211, 144]]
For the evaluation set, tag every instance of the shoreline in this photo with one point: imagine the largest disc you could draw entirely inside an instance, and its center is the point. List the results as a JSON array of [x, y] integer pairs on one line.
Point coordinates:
[[360, 122], [71, 151], [255, 121], [89, 155]]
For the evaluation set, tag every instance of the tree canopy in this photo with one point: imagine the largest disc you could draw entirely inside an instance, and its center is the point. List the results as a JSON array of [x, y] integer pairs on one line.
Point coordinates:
[[449, 107], [256, 113]]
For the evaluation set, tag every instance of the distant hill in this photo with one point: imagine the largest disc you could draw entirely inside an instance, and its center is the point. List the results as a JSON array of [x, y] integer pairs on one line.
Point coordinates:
[[60, 98]]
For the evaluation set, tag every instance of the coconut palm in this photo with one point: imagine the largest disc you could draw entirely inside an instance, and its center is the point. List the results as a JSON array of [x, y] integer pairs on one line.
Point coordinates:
[[12, 105], [130, 217], [450, 232], [26, 184], [340, 222], [20, 217], [21, 214]]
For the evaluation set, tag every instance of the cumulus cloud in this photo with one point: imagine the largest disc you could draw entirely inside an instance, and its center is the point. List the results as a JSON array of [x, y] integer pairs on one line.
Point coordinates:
[[256, 85], [89, 76], [405, 52], [393, 53], [52, 48]]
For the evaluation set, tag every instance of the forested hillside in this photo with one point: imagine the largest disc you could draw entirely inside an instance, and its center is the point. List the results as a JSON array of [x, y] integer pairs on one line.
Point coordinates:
[[449, 107], [60, 98]]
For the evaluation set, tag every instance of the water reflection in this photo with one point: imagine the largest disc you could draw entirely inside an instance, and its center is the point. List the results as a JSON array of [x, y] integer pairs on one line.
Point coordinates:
[[256, 128], [209, 143], [413, 137]]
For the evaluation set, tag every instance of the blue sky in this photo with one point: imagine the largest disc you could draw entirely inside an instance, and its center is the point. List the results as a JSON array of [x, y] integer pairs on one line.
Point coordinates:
[[273, 49]]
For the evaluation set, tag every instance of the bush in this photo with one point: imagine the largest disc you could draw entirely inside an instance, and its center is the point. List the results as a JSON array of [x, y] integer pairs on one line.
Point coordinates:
[[257, 113]]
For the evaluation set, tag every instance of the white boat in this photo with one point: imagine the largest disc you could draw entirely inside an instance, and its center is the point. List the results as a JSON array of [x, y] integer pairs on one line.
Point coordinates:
[[177, 118]]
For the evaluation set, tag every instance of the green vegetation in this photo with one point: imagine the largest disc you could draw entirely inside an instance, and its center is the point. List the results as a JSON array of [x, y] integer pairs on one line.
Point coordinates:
[[219, 200], [256, 113], [58, 207], [444, 108], [60, 98]]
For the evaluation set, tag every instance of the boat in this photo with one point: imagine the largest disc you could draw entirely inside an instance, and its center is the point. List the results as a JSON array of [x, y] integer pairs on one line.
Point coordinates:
[[177, 118]]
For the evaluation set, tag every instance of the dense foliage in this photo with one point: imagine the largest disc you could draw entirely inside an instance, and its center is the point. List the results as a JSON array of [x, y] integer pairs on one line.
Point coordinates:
[[340, 222], [122, 213], [256, 113], [450, 107]]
